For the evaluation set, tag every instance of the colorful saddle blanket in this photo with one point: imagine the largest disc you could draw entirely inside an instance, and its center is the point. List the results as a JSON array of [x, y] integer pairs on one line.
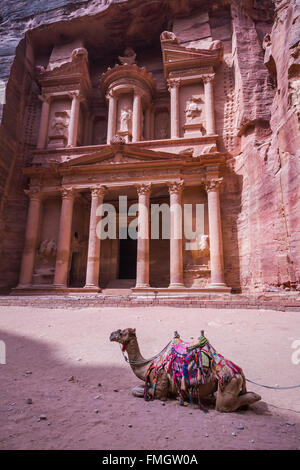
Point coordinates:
[[190, 365]]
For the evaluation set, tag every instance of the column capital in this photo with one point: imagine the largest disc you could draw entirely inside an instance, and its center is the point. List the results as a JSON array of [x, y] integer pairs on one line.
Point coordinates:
[[110, 94], [213, 184], [137, 91], [98, 191], [68, 193], [174, 82], [208, 78], [45, 98], [34, 193], [75, 94], [143, 189], [175, 187]]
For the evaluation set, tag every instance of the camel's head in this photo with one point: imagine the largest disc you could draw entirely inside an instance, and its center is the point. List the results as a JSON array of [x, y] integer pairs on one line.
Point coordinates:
[[123, 336]]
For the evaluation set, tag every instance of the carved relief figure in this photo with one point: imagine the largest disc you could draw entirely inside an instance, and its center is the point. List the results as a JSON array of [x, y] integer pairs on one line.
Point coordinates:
[[162, 125], [168, 36], [193, 109], [129, 57], [45, 262], [48, 249], [60, 123], [126, 120]]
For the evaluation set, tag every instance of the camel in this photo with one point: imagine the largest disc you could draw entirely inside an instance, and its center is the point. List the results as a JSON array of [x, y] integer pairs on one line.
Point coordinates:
[[231, 392]]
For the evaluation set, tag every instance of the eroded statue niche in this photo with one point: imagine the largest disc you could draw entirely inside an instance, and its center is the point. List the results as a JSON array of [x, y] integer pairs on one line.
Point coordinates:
[[197, 268], [162, 124], [45, 262], [59, 129]]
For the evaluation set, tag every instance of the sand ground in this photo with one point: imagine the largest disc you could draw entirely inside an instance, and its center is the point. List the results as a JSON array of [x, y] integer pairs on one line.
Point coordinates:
[[46, 347]]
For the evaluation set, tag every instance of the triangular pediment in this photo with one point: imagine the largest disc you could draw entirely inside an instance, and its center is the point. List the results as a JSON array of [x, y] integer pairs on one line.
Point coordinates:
[[118, 155]]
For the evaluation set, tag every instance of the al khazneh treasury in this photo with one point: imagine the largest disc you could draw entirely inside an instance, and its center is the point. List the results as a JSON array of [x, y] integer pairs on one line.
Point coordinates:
[[160, 112]]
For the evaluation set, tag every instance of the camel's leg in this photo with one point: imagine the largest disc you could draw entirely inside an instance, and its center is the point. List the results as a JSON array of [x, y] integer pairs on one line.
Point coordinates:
[[162, 385], [138, 391], [247, 399], [229, 398]]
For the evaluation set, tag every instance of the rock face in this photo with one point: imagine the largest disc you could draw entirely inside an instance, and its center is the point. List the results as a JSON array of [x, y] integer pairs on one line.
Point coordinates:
[[257, 113]]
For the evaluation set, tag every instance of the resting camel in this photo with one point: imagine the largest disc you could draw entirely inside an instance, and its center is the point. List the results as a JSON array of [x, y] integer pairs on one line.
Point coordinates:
[[231, 390]]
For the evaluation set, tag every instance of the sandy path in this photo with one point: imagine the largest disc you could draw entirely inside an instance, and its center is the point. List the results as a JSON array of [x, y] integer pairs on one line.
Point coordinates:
[[55, 344]]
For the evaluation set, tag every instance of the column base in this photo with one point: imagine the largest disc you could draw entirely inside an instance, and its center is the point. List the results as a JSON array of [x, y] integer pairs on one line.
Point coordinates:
[[23, 286], [60, 286], [178, 285], [142, 286], [92, 288], [219, 286]]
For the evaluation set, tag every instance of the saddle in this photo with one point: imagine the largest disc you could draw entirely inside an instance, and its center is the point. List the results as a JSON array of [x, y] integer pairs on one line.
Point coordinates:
[[190, 365]]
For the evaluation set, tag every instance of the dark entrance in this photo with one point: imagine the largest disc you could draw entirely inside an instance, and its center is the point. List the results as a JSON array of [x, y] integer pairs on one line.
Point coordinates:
[[127, 260]]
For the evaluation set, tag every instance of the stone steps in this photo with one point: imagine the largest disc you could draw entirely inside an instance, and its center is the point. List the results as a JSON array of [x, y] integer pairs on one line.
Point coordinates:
[[230, 301]]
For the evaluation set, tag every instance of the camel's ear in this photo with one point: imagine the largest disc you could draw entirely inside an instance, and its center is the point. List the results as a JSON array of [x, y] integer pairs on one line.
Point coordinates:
[[134, 331]]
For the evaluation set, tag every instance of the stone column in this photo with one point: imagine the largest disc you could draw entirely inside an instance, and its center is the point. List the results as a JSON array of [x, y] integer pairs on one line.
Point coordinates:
[[87, 128], [142, 271], [64, 238], [74, 119], [148, 123], [208, 81], [31, 235], [93, 260], [137, 116], [112, 116], [215, 233], [176, 258], [174, 85], [44, 122]]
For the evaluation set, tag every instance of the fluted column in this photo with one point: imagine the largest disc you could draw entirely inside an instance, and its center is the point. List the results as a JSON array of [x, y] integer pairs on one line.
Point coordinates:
[[74, 119], [93, 260], [137, 116], [174, 85], [112, 116], [44, 122], [142, 271], [208, 81], [176, 258], [64, 238], [215, 233], [31, 236]]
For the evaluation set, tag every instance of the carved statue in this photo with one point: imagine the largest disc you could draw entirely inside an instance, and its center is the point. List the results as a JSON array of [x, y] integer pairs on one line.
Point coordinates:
[[60, 123], [129, 57], [168, 36], [126, 120], [216, 45], [79, 53], [48, 249], [193, 108], [203, 245]]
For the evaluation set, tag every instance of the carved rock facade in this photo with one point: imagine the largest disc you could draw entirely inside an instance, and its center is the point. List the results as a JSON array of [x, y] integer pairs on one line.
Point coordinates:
[[164, 116]]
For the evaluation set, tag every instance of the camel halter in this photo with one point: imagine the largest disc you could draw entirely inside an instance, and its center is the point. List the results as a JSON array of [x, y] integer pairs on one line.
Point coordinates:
[[140, 363]]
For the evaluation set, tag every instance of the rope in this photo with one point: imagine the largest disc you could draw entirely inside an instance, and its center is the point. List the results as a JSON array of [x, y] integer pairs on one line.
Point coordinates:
[[139, 363], [274, 388]]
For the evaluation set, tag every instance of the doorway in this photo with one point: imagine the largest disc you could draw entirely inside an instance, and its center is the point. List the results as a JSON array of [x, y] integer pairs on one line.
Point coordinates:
[[127, 258]]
